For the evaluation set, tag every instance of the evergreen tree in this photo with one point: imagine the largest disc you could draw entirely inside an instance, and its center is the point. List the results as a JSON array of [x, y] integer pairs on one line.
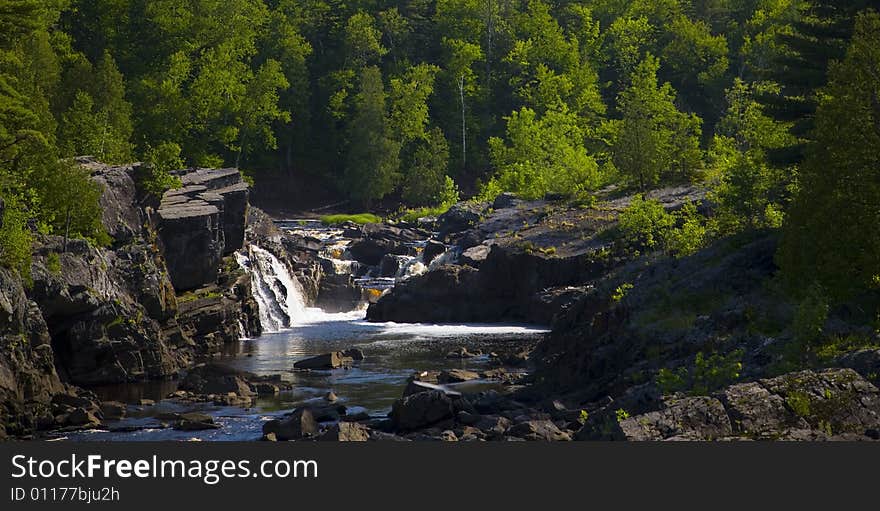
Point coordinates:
[[655, 139], [831, 236], [373, 160]]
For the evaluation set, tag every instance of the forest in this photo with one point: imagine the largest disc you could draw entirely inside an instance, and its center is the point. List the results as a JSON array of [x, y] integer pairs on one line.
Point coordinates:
[[772, 105]]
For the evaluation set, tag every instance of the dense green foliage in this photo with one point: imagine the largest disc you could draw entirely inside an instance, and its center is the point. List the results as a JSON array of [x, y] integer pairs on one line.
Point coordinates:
[[771, 104]]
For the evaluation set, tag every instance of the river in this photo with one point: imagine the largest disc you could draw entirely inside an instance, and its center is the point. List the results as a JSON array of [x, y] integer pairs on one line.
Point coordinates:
[[393, 352]]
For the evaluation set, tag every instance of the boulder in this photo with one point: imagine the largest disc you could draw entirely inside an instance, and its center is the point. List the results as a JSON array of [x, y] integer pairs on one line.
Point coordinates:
[[693, 418], [332, 360], [475, 256], [216, 379], [338, 293], [756, 412], [460, 217], [461, 353], [421, 409], [266, 389], [194, 421], [113, 410], [354, 353], [543, 430], [391, 265], [457, 376], [346, 432], [432, 250], [506, 200], [81, 417], [300, 424], [416, 386]]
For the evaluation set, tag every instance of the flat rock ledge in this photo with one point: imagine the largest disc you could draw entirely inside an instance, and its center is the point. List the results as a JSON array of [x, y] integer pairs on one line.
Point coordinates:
[[201, 222]]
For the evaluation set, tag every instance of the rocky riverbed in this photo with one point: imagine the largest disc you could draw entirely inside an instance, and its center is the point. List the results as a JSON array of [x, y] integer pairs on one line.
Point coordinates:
[[206, 319]]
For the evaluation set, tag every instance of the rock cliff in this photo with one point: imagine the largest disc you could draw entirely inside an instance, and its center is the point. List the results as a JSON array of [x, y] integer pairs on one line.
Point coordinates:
[[166, 293]]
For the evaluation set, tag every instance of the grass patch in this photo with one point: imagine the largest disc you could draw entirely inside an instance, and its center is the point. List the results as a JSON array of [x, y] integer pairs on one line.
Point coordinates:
[[53, 263], [360, 218], [191, 296]]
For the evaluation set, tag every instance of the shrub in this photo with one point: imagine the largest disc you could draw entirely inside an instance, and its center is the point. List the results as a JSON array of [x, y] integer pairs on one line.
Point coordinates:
[[645, 223], [690, 235]]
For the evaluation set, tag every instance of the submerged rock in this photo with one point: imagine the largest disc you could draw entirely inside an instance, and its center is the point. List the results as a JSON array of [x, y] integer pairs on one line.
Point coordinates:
[[334, 360], [216, 379], [113, 410], [194, 421], [457, 376]]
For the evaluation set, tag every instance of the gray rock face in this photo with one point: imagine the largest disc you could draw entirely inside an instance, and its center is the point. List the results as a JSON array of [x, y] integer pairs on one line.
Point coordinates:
[[835, 404], [495, 283], [101, 332], [121, 216], [201, 222], [693, 418]]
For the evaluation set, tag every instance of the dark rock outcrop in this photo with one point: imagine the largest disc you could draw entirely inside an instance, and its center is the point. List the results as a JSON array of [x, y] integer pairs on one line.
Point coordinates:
[[101, 332], [27, 371], [377, 240], [509, 284]]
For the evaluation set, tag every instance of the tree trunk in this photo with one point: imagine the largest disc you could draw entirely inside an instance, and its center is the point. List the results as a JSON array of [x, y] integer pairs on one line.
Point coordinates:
[[463, 126]]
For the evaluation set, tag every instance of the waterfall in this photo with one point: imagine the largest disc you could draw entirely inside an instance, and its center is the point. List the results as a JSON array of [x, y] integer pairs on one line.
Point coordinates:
[[412, 268], [278, 294]]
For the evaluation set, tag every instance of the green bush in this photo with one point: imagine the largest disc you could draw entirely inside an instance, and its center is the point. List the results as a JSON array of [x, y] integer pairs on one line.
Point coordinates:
[[645, 224], [69, 202], [690, 235]]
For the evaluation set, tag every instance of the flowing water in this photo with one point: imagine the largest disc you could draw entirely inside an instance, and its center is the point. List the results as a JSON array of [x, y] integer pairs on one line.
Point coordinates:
[[293, 332]]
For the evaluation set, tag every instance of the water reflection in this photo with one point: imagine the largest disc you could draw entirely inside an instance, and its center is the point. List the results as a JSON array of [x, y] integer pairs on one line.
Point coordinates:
[[393, 353]]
